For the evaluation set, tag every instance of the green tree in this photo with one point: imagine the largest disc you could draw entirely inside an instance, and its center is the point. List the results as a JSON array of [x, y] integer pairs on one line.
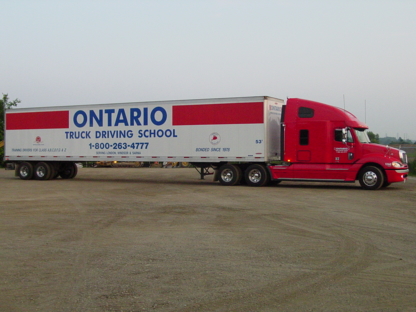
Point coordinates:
[[5, 103], [374, 137]]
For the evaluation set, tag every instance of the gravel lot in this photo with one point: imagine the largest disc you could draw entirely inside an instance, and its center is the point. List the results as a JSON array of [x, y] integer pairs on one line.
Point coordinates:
[[120, 239]]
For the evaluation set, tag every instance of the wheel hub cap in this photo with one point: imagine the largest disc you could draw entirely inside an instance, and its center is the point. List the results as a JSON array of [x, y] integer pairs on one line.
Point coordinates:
[[370, 178], [255, 176], [227, 175]]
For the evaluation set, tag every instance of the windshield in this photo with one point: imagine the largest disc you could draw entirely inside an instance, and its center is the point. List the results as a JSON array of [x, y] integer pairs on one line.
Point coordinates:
[[362, 135]]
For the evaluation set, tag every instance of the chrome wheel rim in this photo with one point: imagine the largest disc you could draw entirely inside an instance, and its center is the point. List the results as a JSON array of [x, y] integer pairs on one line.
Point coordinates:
[[24, 171], [254, 176], [227, 175], [370, 178], [40, 172]]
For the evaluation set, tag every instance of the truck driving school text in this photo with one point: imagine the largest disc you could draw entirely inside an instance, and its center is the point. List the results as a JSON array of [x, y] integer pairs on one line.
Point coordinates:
[[156, 116]]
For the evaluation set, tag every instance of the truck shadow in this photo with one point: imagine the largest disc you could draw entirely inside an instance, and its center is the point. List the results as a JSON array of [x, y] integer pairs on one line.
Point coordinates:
[[210, 183]]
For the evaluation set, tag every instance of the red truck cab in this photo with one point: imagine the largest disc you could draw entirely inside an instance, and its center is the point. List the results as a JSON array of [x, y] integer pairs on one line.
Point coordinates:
[[325, 143]]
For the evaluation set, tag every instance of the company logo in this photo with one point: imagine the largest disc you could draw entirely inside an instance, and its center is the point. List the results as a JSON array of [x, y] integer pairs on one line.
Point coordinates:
[[275, 108], [214, 138], [38, 139], [341, 150]]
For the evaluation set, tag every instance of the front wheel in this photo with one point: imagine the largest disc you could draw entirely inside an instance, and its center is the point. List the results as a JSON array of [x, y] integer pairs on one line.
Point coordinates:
[[256, 175], [371, 178]]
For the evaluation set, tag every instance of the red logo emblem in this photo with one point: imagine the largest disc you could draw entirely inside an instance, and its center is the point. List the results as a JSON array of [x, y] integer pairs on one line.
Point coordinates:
[[38, 139], [214, 138]]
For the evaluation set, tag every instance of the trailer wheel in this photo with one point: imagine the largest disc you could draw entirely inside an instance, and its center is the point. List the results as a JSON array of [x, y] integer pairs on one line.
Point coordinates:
[[25, 171], [68, 171], [230, 175], [55, 170], [256, 175], [43, 171], [371, 178]]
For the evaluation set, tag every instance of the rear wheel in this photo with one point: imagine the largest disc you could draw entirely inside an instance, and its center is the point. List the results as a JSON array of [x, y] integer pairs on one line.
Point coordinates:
[[55, 170], [68, 171], [230, 175], [25, 171], [257, 175], [43, 171], [371, 178]]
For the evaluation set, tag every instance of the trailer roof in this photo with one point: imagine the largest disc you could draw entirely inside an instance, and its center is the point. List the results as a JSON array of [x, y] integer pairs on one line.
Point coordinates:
[[181, 102]]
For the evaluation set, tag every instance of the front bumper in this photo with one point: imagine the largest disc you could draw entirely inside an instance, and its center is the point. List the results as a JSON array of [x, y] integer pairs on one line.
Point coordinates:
[[397, 175]]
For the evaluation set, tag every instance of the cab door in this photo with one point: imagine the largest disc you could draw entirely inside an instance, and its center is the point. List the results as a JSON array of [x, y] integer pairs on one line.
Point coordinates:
[[343, 150]]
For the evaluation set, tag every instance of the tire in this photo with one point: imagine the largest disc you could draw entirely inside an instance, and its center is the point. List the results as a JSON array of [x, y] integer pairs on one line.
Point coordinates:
[[55, 170], [371, 178], [25, 171], [257, 175], [68, 171], [230, 175], [43, 171]]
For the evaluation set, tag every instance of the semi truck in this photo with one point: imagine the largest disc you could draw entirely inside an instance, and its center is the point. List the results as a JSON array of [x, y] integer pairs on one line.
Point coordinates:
[[244, 140]]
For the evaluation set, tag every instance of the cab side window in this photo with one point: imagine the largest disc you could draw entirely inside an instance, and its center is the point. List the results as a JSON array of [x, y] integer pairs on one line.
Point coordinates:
[[304, 137], [338, 136], [306, 112]]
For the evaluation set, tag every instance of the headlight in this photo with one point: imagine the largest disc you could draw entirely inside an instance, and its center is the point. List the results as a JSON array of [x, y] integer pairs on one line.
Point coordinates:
[[403, 156], [397, 164]]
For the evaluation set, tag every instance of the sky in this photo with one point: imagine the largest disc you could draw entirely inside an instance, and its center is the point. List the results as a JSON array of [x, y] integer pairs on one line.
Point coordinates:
[[357, 54]]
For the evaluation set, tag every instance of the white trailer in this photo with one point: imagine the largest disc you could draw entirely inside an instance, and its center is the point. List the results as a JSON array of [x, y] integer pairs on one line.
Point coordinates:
[[46, 142]]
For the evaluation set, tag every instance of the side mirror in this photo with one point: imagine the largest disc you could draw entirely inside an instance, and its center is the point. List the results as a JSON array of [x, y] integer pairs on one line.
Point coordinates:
[[344, 135]]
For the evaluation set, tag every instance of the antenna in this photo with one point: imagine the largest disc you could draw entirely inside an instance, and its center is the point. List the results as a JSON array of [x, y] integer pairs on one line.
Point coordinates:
[[365, 111]]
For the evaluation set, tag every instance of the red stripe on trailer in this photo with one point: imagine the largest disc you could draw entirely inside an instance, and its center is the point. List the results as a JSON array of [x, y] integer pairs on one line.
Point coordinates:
[[37, 120], [218, 114]]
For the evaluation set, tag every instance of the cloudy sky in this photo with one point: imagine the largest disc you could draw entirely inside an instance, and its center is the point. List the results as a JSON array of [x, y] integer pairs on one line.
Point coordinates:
[[357, 53]]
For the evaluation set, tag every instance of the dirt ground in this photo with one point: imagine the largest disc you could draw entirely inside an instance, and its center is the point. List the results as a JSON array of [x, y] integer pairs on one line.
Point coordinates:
[[119, 239]]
